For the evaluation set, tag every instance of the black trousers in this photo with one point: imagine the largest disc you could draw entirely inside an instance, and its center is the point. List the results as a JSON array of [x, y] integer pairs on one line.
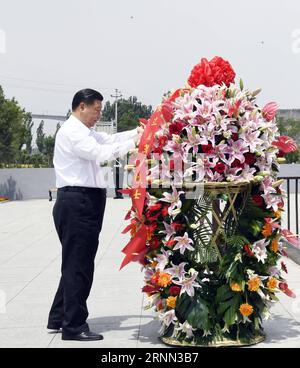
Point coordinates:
[[78, 215]]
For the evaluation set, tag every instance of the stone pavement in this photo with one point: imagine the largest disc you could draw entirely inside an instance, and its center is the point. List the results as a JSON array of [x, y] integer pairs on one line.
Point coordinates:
[[30, 270]]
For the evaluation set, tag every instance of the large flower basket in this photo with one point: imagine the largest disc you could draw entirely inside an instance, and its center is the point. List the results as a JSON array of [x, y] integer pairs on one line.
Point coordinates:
[[205, 221]]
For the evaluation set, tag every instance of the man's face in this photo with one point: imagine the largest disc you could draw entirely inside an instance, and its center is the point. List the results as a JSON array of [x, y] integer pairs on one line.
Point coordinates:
[[91, 113]]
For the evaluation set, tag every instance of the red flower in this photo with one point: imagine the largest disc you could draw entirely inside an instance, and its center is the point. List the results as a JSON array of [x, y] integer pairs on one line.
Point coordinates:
[[176, 127], [163, 140], [158, 150], [154, 278], [176, 226], [220, 167], [207, 148], [165, 212], [234, 136], [161, 143], [233, 109], [150, 217], [283, 286], [248, 250], [237, 163], [154, 243], [209, 73], [250, 158], [285, 144], [280, 154], [258, 199], [174, 290], [170, 243], [155, 207], [150, 289], [269, 111]]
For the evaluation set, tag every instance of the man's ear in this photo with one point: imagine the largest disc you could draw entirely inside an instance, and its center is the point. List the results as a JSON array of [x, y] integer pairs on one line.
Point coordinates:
[[81, 106]]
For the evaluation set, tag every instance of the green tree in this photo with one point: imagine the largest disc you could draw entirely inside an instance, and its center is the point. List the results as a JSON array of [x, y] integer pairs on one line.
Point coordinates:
[[129, 112], [12, 129], [49, 143], [40, 137], [28, 132]]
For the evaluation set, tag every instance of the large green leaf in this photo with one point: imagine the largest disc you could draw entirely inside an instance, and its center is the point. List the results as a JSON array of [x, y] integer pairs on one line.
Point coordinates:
[[199, 315]]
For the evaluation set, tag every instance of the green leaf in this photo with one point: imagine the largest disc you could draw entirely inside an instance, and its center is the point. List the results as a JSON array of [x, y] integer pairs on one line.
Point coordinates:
[[199, 315], [224, 292], [230, 315], [229, 308]]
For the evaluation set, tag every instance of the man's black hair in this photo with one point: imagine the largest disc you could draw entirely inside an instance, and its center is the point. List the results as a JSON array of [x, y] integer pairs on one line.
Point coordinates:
[[87, 95]]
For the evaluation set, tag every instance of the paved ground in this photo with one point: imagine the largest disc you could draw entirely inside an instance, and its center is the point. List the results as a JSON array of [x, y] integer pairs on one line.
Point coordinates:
[[29, 274]]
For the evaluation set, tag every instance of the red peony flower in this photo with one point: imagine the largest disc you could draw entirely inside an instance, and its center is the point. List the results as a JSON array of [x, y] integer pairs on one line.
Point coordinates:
[[219, 168], [258, 199], [207, 148], [174, 290], [176, 127], [250, 158], [209, 73], [237, 163]]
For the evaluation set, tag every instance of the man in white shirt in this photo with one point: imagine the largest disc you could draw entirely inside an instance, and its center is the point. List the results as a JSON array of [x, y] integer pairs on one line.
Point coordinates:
[[79, 209]]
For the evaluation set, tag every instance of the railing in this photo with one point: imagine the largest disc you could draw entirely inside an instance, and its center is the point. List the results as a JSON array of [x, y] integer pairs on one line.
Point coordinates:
[[292, 191]]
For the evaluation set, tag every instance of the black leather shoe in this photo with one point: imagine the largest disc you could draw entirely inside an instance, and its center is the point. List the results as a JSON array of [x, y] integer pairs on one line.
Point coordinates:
[[83, 336], [53, 327]]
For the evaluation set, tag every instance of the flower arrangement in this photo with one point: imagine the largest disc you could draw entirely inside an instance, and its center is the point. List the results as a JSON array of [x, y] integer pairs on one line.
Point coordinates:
[[210, 132]]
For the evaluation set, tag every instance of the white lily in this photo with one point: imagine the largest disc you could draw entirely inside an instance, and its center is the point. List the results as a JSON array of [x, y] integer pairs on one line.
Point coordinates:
[[177, 270], [163, 259], [183, 243], [186, 328], [188, 285]]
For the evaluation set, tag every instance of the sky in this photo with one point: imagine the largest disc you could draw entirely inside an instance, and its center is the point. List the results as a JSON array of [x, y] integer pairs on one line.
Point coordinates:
[[51, 49]]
